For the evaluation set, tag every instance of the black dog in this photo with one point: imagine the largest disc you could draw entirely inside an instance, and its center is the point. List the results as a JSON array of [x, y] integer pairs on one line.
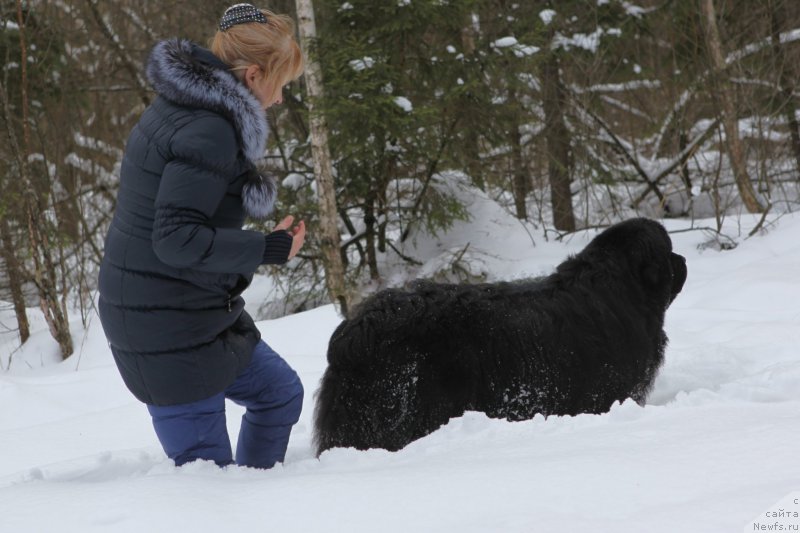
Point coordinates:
[[576, 341]]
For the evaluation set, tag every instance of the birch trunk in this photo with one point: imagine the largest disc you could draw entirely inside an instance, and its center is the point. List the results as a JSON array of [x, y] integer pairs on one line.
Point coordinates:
[[330, 241], [727, 110]]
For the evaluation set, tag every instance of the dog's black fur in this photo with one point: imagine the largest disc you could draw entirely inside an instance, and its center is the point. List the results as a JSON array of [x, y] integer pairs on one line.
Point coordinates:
[[590, 334]]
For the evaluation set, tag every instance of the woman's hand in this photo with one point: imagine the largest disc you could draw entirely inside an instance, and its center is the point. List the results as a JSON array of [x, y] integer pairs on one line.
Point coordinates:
[[297, 232]]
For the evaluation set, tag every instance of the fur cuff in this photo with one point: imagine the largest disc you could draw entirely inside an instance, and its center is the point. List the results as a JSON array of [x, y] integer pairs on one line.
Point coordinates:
[[258, 194]]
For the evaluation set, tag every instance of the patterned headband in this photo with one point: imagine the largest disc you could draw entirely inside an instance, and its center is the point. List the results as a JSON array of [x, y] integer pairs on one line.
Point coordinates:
[[241, 14]]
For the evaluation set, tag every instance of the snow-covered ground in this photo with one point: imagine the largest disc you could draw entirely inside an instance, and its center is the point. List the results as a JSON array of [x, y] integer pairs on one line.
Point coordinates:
[[715, 447]]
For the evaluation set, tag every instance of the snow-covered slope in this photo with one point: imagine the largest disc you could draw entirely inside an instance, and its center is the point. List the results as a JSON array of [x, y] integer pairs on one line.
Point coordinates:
[[713, 449]]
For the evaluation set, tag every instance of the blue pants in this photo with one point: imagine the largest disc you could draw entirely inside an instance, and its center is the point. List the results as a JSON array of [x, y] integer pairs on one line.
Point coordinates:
[[273, 396]]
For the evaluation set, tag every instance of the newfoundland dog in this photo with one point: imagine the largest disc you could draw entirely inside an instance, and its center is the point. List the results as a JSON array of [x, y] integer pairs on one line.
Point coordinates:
[[576, 341]]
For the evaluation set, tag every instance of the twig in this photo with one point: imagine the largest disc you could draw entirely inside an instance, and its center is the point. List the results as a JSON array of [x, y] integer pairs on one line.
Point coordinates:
[[687, 152], [561, 236], [760, 222], [403, 256], [530, 235], [623, 150], [461, 253], [123, 55], [86, 333], [432, 167], [695, 228]]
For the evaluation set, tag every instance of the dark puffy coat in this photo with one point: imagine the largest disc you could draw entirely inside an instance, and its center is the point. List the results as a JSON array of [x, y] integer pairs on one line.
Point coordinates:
[[176, 257]]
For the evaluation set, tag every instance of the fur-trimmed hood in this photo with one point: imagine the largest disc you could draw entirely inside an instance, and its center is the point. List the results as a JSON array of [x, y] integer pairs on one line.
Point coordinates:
[[188, 75]]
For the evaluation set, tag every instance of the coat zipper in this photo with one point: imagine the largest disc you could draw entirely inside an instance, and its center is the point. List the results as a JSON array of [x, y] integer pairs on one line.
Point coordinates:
[[237, 290]]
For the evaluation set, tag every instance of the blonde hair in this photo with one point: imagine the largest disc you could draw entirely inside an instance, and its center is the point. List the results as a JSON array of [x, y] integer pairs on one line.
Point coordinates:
[[269, 45]]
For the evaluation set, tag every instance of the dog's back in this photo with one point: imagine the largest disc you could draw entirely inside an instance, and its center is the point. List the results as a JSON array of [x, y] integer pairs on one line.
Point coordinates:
[[407, 360]]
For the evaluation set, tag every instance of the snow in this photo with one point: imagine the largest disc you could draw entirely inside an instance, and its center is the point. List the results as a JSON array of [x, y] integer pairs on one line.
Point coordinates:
[[519, 49], [625, 107], [8, 25], [403, 103], [362, 64], [505, 42], [752, 48], [588, 42], [96, 144], [294, 181], [547, 16], [88, 166], [522, 50], [634, 10], [714, 449], [627, 86]]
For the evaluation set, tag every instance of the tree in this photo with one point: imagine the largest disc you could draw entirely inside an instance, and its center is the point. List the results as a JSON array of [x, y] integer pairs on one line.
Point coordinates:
[[34, 206], [330, 243], [558, 142], [608, 109], [508, 58], [727, 109], [779, 18], [396, 94]]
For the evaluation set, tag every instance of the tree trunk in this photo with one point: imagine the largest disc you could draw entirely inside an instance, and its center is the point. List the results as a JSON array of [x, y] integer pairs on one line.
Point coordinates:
[[470, 135], [45, 275], [778, 19], [683, 142], [15, 280], [369, 223], [330, 241], [727, 103], [521, 179], [558, 144]]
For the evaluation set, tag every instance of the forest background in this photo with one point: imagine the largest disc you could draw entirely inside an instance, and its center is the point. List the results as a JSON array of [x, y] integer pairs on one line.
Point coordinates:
[[570, 114]]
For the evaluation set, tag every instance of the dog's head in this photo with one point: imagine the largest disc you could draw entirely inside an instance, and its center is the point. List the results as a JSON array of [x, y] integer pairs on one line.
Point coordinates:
[[641, 248]]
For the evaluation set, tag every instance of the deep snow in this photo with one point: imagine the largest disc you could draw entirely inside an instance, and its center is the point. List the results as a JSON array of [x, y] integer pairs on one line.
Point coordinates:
[[714, 448]]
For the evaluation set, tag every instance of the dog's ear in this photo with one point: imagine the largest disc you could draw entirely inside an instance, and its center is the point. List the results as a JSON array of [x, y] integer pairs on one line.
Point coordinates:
[[649, 261], [653, 274]]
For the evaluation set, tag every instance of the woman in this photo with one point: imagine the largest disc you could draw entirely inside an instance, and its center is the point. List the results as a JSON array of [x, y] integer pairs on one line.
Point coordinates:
[[176, 257]]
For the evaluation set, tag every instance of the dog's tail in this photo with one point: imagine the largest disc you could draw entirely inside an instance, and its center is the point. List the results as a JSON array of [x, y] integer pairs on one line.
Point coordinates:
[[379, 390], [366, 396], [370, 409], [331, 417], [324, 416], [336, 411]]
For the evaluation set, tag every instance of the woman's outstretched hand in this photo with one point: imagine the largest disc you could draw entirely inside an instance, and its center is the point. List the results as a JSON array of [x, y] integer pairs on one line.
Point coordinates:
[[297, 232]]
